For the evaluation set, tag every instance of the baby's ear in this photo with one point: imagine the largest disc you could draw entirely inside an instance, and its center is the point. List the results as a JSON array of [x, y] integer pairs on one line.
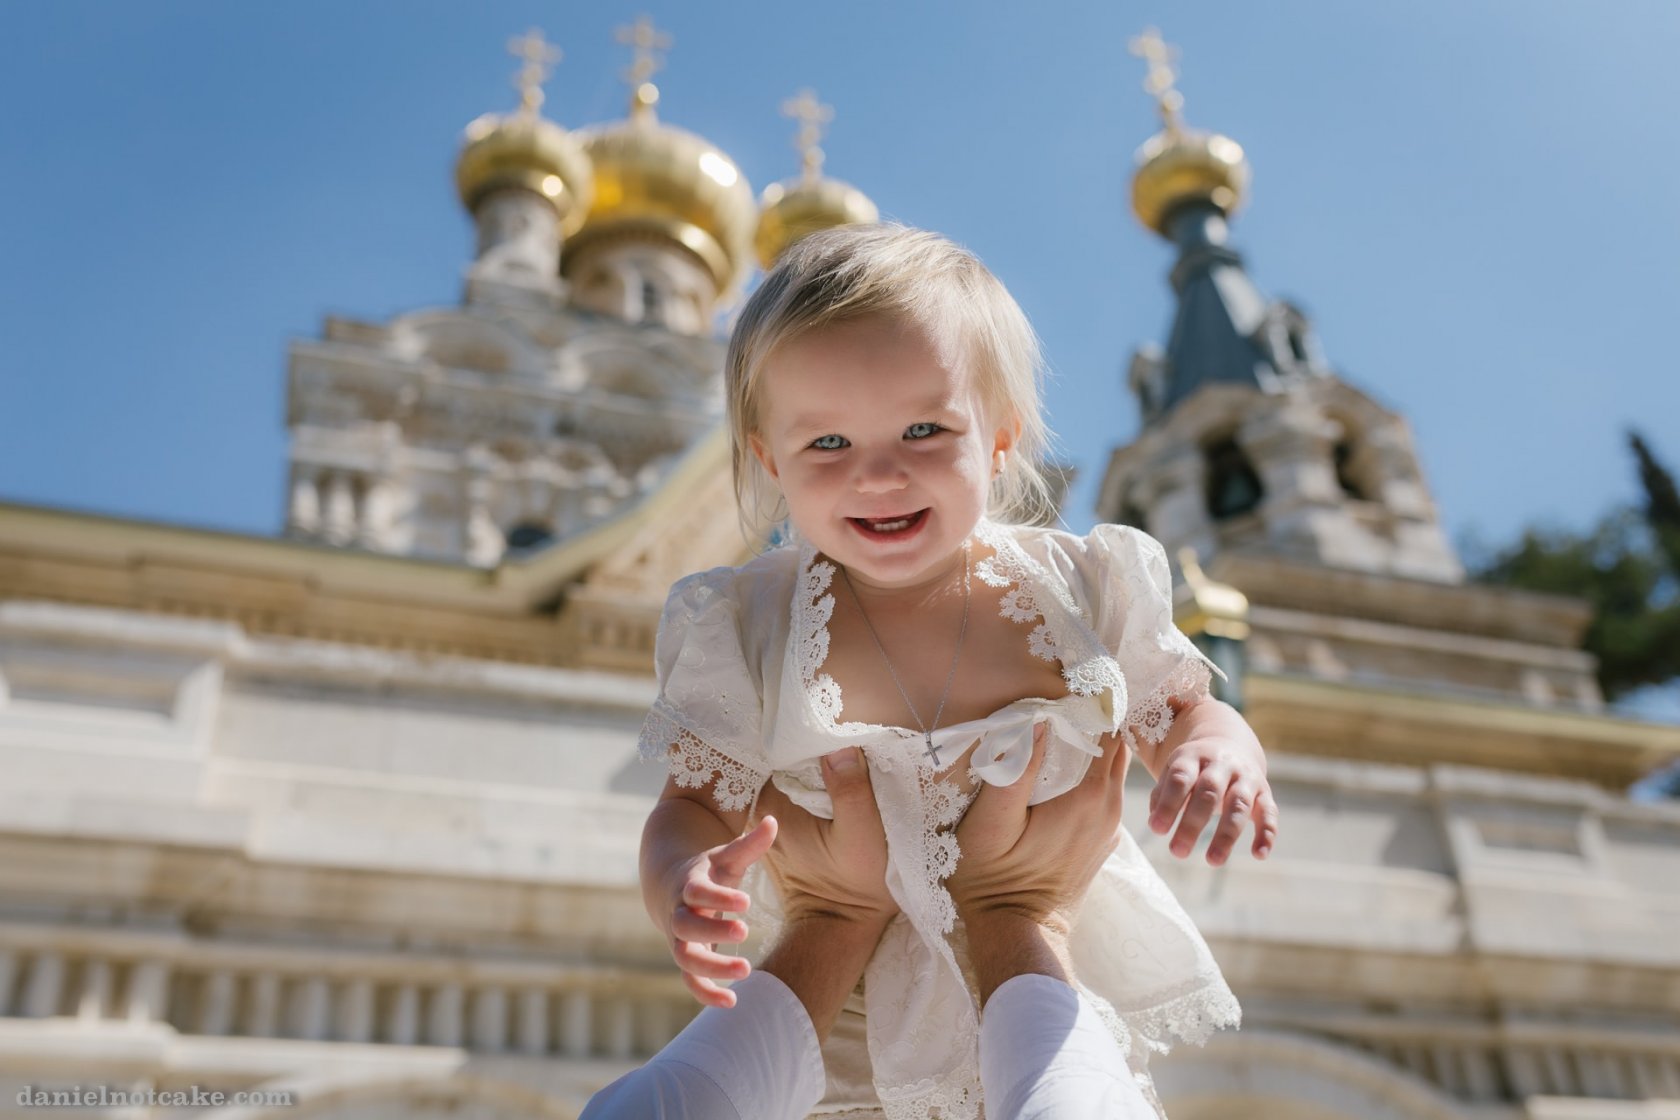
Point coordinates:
[[1008, 433], [761, 454]]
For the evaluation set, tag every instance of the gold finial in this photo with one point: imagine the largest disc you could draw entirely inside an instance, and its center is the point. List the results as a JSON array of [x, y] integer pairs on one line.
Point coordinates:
[[811, 115], [644, 40], [1150, 47], [539, 57]]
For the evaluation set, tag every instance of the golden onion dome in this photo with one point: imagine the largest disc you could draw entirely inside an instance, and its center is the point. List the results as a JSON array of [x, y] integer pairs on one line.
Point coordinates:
[[796, 208], [522, 149], [791, 210], [1177, 166], [525, 151], [655, 180]]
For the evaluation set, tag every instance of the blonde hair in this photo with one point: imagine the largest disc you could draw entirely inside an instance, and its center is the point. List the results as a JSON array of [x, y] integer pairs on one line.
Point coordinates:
[[855, 271]]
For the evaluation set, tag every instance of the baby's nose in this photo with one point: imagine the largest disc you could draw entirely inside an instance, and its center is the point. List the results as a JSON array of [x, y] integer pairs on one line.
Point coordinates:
[[878, 473]]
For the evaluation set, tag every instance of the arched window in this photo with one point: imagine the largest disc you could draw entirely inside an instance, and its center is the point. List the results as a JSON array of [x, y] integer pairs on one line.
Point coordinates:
[[1345, 475], [528, 535], [1233, 487]]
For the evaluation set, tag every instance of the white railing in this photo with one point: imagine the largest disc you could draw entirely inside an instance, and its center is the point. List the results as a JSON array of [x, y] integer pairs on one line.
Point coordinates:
[[498, 1007]]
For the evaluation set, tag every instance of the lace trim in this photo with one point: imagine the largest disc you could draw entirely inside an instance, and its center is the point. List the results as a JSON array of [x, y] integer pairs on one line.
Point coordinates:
[[942, 807], [692, 762], [1204, 1004], [1152, 717], [1088, 672], [955, 1098]]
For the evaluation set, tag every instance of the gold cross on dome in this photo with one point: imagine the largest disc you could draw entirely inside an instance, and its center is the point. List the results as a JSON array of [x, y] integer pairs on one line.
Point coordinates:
[[539, 57], [1151, 48], [645, 42], [812, 115]]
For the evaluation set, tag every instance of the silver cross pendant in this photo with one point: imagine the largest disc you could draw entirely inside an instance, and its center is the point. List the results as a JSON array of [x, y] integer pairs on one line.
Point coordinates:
[[932, 751]]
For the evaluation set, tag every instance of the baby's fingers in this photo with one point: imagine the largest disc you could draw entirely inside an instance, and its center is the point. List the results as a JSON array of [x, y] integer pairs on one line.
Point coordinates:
[[1206, 799], [709, 993], [695, 959], [1239, 805], [702, 894], [1171, 792], [731, 860], [687, 925], [1265, 823]]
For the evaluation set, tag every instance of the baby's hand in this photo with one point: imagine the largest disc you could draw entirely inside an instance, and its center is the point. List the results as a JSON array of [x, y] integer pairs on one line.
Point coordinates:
[[702, 890], [1218, 768]]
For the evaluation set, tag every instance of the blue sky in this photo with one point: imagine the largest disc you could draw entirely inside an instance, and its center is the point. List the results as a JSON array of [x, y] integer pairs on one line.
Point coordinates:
[[1473, 200]]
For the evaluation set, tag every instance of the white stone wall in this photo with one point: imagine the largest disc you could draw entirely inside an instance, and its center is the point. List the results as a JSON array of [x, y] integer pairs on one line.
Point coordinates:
[[397, 881]]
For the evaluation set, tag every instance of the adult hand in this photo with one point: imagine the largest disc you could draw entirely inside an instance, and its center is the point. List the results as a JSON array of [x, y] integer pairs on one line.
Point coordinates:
[[1036, 861], [834, 868]]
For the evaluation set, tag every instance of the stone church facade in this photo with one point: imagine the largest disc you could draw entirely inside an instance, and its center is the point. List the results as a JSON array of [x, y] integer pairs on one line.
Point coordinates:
[[350, 814]]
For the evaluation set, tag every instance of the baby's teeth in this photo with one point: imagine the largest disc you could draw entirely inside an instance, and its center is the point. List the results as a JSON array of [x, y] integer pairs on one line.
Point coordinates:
[[890, 526]]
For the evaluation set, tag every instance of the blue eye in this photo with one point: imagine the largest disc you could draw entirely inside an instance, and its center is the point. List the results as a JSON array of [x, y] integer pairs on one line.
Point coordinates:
[[922, 430], [821, 443]]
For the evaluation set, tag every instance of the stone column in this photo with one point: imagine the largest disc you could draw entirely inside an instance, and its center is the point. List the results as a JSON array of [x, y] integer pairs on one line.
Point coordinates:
[[215, 1011], [621, 1028], [375, 513], [1292, 446], [1557, 1070], [304, 516], [489, 1032], [443, 1015], [1479, 1074], [532, 1031], [404, 1025], [310, 1001], [1173, 491], [94, 1003], [338, 519], [263, 1015], [44, 987], [148, 992], [482, 540], [1527, 1079], [8, 974], [575, 1024], [355, 1011]]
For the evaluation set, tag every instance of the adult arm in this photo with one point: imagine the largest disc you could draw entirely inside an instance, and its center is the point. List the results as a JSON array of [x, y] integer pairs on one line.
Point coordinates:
[[1045, 1054]]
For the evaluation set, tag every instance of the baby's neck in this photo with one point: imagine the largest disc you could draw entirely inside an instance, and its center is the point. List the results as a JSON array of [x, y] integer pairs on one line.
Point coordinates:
[[945, 580]]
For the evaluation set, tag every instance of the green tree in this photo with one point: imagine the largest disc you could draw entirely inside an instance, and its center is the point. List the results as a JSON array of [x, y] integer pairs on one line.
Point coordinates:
[[1627, 566]]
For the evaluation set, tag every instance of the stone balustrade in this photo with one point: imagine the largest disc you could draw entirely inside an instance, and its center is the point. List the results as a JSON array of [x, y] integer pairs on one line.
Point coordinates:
[[1517, 1060], [484, 1006]]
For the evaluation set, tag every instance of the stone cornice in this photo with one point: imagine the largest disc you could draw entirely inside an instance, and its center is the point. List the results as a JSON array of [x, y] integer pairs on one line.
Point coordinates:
[[1340, 719], [1479, 609], [279, 586]]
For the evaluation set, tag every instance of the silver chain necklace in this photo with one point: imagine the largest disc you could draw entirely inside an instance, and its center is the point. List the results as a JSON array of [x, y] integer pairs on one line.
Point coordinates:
[[927, 731]]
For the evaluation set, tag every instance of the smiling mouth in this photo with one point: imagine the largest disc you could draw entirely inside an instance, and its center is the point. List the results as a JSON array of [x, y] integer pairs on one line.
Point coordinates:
[[887, 526]]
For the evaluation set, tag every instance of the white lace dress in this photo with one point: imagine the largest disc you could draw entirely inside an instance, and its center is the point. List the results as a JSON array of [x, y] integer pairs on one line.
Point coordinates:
[[743, 698]]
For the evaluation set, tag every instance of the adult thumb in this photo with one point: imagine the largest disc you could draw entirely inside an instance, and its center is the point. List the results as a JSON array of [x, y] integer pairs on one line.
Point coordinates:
[[996, 804], [847, 779]]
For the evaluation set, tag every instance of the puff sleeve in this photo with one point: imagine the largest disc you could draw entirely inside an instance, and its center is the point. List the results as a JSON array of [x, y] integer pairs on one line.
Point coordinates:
[[1134, 620], [706, 721]]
